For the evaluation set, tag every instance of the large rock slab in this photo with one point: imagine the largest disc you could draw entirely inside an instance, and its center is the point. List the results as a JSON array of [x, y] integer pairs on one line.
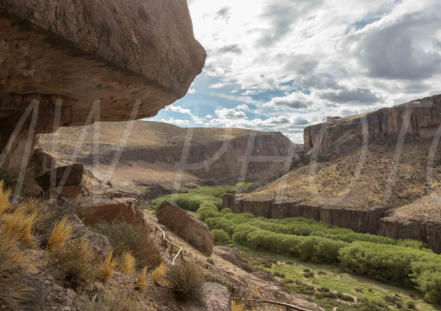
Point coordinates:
[[64, 176], [186, 226], [125, 58], [118, 210], [214, 297]]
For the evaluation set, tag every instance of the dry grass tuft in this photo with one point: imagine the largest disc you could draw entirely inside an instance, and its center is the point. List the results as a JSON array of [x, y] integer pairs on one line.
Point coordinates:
[[13, 265], [159, 273], [76, 262], [128, 264], [141, 285], [18, 225], [109, 301], [134, 239], [236, 306], [61, 233], [185, 278], [108, 268]]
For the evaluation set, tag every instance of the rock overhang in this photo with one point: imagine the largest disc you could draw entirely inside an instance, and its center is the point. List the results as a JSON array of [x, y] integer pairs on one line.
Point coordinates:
[[88, 51], [90, 60]]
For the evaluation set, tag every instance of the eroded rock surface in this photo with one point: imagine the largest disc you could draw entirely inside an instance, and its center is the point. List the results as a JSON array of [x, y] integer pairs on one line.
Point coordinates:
[[124, 59], [94, 211], [419, 119]]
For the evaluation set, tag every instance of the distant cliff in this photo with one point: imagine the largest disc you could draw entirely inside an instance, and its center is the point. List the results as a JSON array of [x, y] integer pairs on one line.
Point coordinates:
[[378, 190], [421, 119], [153, 151]]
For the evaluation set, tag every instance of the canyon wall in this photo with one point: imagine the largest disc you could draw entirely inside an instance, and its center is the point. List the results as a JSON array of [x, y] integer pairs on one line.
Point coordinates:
[[157, 155], [340, 135]]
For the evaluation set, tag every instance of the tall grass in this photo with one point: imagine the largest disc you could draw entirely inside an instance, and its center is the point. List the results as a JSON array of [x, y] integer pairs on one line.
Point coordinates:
[[159, 273], [61, 233], [108, 268], [14, 260], [109, 301], [141, 284], [76, 262], [185, 278], [126, 237], [128, 264], [18, 224]]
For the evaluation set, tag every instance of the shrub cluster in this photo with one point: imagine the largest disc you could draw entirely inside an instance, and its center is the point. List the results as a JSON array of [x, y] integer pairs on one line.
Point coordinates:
[[195, 198], [220, 237], [128, 238], [404, 262], [185, 279], [396, 264]]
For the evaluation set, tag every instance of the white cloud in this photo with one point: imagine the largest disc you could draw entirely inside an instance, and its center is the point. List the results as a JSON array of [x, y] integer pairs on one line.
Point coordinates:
[[229, 114], [317, 57], [243, 107]]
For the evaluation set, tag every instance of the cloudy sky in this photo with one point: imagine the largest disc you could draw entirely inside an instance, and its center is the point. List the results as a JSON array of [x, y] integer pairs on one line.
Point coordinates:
[[280, 65]]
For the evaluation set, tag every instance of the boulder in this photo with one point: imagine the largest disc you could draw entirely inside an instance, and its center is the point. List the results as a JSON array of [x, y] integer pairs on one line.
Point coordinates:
[[65, 176], [214, 297], [191, 229], [232, 255], [122, 59], [41, 162], [95, 211]]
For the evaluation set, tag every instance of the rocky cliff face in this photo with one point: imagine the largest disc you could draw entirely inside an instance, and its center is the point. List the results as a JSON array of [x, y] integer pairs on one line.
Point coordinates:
[[379, 191], [421, 119], [158, 155], [122, 60]]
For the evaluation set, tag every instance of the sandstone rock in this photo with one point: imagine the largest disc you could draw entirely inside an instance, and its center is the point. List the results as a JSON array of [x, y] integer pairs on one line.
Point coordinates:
[[186, 226], [64, 58], [95, 211], [214, 297], [65, 176], [232, 255], [344, 134]]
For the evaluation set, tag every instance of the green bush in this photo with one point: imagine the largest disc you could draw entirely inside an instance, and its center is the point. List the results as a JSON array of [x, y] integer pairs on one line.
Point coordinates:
[[226, 211], [221, 223], [207, 211], [240, 235], [220, 237], [209, 205], [426, 273], [383, 262], [320, 250]]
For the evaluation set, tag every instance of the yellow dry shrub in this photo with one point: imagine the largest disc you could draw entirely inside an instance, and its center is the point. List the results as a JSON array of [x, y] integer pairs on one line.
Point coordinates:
[[159, 273], [236, 306], [108, 267], [142, 280], [128, 264], [18, 225], [61, 233]]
